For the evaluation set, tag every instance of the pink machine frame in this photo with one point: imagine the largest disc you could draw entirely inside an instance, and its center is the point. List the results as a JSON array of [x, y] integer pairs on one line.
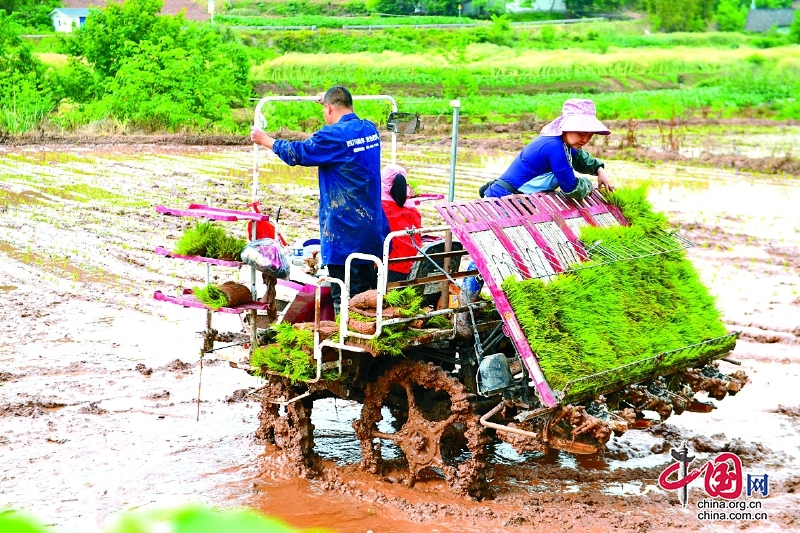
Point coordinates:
[[508, 236]]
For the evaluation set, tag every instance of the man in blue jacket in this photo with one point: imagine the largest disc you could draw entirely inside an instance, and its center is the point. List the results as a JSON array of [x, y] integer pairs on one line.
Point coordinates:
[[347, 151]]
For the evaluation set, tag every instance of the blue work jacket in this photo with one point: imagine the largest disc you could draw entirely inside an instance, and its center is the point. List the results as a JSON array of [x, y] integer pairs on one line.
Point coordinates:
[[543, 156], [348, 154]]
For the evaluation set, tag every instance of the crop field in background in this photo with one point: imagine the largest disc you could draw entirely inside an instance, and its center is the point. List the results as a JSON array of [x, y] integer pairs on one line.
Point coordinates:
[[114, 191], [323, 21], [501, 74], [498, 84], [493, 66]]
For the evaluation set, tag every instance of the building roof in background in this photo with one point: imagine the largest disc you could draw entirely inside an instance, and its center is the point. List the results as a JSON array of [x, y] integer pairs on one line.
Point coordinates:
[[762, 20], [171, 7], [71, 12]]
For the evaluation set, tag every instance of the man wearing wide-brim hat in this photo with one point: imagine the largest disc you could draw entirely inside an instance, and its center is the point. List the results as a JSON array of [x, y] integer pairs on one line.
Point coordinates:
[[551, 160]]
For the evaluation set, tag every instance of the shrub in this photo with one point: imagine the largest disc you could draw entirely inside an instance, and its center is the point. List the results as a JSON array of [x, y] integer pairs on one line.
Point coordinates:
[[154, 74], [393, 7], [794, 30], [25, 95], [547, 34], [112, 34], [680, 15], [162, 86], [33, 14], [731, 16], [458, 84], [180, 519]]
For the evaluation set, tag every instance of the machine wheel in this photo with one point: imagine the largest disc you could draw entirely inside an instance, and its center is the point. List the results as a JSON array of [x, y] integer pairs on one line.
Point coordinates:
[[289, 428], [434, 426]]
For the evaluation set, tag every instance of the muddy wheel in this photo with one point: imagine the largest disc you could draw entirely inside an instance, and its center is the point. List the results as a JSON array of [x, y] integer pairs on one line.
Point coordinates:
[[289, 428], [434, 426]]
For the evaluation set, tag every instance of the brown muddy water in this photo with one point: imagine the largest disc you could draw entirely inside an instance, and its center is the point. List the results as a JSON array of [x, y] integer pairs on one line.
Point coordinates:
[[98, 383]]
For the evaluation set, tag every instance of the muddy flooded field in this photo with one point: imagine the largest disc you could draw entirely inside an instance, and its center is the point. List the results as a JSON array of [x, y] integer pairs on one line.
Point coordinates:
[[99, 383]]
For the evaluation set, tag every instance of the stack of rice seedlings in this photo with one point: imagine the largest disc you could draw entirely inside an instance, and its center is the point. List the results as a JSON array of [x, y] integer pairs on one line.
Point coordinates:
[[392, 340], [290, 355], [211, 296], [229, 294], [207, 239], [438, 322], [407, 301], [598, 319]]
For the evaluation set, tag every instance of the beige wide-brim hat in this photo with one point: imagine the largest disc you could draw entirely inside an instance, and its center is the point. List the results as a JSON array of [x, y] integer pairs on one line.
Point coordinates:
[[577, 114]]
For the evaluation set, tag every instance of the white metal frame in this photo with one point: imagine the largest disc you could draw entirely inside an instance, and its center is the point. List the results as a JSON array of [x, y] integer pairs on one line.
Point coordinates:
[[260, 122]]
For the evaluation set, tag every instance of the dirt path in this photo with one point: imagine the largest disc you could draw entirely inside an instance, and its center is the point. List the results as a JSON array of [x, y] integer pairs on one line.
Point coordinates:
[[98, 383]]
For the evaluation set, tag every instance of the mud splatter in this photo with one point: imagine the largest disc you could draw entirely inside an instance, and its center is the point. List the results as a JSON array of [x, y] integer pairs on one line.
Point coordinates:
[[768, 337], [749, 452], [752, 452], [241, 395], [92, 409], [549, 511], [144, 369], [30, 409], [291, 432], [231, 336], [177, 366], [791, 412]]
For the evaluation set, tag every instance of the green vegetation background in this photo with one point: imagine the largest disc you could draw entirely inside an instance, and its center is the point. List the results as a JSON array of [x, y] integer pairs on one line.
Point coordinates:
[[190, 519], [130, 70]]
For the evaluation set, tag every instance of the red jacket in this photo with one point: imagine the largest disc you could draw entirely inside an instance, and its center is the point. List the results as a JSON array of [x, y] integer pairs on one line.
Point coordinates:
[[401, 218]]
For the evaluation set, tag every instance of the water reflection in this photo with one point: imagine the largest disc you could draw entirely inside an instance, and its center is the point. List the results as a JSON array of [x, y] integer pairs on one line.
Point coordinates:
[[334, 437]]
